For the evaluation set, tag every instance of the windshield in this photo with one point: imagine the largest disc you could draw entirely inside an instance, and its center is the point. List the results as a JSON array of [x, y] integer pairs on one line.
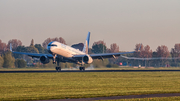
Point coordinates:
[[52, 45]]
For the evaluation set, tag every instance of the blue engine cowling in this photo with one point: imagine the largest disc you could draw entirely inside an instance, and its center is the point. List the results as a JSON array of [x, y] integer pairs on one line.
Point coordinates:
[[44, 59]]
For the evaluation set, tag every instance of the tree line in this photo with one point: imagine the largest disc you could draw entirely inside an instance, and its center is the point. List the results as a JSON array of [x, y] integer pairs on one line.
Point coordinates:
[[7, 59]]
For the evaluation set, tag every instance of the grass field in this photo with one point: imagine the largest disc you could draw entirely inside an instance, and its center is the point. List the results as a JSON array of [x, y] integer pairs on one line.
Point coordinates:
[[35, 86]]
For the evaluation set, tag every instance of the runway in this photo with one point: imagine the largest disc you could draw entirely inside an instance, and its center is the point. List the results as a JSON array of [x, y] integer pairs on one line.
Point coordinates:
[[51, 71], [118, 97]]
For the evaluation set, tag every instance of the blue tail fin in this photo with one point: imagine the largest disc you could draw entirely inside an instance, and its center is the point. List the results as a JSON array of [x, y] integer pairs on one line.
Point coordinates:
[[86, 44]]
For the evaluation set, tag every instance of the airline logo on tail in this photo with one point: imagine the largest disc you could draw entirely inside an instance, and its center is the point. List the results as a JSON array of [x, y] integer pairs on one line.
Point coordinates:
[[86, 44]]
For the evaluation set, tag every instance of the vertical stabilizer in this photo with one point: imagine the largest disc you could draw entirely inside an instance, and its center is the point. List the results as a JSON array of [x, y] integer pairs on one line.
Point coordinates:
[[86, 44]]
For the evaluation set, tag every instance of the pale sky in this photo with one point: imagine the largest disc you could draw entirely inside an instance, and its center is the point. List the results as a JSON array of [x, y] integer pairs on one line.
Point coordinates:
[[125, 22]]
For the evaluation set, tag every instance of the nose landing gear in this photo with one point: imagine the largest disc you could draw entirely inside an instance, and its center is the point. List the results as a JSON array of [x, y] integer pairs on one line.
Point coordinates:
[[82, 68], [58, 68], [54, 58]]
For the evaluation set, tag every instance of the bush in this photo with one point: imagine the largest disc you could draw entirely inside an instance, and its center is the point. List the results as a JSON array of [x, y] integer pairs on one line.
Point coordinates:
[[112, 65], [8, 60], [97, 63], [1, 61], [20, 63], [49, 65]]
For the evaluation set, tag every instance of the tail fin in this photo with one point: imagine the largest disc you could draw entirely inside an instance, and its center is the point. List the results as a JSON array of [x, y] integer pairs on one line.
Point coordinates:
[[86, 44]]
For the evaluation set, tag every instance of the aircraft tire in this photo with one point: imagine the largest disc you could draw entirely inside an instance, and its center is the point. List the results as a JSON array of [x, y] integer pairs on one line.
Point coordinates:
[[58, 69], [82, 68]]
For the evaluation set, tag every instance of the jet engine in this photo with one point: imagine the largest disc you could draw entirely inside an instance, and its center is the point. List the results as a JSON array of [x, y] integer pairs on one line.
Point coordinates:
[[44, 59], [87, 59]]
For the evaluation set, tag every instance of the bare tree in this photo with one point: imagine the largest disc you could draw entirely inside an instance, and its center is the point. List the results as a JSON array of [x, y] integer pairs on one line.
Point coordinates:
[[114, 48], [48, 40], [3, 47], [147, 52], [139, 46], [15, 43], [177, 48], [162, 51], [138, 53], [144, 52], [61, 40], [175, 52]]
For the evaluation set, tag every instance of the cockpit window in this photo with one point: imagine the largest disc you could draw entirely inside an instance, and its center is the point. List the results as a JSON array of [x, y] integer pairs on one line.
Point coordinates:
[[52, 45]]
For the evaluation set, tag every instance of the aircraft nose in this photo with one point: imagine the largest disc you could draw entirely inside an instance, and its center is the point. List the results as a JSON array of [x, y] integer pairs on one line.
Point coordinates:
[[49, 49]]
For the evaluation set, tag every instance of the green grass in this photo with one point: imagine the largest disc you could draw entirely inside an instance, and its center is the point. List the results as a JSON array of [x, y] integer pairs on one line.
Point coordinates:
[[35, 86], [148, 99]]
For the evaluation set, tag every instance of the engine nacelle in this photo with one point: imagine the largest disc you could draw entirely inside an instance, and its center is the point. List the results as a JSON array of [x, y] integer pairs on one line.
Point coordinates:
[[44, 59], [87, 59]]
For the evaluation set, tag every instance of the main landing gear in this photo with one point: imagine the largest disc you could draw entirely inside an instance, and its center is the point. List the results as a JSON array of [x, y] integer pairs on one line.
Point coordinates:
[[82, 68], [58, 69]]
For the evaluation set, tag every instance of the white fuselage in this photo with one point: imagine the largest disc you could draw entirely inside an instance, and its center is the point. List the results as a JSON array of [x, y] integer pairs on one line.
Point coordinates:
[[63, 50]]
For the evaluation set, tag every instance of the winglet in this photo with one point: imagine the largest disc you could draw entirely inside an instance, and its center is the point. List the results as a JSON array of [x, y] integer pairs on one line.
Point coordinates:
[[10, 47], [86, 44]]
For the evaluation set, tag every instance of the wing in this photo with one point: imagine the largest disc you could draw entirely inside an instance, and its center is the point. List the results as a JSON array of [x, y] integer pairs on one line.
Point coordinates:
[[101, 56], [36, 55], [108, 55], [155, 58]]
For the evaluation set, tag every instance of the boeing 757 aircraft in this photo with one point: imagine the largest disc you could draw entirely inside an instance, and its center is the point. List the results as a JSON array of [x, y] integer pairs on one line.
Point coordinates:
[[63, 53]]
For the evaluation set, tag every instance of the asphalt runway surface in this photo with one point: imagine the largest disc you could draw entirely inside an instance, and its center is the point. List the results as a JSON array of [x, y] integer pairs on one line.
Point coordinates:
[[118, 97], [51, 71]]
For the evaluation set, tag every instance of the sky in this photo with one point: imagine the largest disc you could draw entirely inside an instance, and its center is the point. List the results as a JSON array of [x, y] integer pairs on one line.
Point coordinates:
[[124, 22]]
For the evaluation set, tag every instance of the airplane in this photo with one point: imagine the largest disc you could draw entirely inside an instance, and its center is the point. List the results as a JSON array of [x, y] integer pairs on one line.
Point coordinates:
[[62, 53]]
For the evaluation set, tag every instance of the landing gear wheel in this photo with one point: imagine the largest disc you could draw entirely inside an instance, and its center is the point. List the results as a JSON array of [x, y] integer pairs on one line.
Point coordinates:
[[82, 68], [58, 69]]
